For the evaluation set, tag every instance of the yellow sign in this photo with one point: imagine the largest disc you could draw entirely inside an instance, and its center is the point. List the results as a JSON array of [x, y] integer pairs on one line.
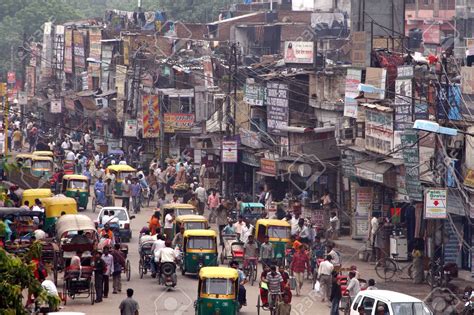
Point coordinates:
[[3, 89]]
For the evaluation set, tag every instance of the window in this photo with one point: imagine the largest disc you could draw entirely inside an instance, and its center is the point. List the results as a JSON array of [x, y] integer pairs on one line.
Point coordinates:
[[218, 286], [368, 304], [279, 232], [42, 164], [201, 243], [382, 309], [356, 303], [194, 226], [410, 308], [77, 184]]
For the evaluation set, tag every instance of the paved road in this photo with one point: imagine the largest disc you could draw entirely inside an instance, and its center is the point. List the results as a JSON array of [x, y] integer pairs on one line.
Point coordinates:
[[153, 299]]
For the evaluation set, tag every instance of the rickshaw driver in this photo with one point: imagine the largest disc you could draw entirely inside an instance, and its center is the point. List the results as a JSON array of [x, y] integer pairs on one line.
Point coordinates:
[[242, 280], [250, 252], [107, 231]]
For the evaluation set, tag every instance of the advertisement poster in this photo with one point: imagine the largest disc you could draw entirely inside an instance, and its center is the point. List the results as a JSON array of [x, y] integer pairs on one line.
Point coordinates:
[[68, 53], [353, 79], [177, 121], [379, 130], [364, 197], [79, 53], [208, 72], [411, 157], [151, 116], [131, 128], [47, 51], [277, 107], [229, 151], [254, 94], [299, 52], [435, 204]]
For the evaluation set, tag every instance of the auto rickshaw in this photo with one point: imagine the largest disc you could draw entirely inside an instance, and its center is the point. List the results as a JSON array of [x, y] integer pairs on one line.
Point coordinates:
[[178, 209], [31, 194], [23, 160], [121, 172], [218, 291], [24, 222], [54, 207], [191, 222], [42, 166], [77, 187], [252, 211], [199, 250], [278, 232]]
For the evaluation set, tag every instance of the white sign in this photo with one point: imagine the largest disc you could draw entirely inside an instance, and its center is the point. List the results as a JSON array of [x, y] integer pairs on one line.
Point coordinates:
[[378, 131], [229, 151], [130, 129], [56, 106], [299, 52], [435, 203], [369, 175], [353, 79], [22, 98]]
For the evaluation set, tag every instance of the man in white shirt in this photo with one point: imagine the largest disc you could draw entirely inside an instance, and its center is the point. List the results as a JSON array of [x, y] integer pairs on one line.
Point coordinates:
[[374, 226], [294, 223], [201, 195], [105, 217], [70, 156], [168, 255], [239, 226], [336, 258], [155, 248], [168, 228], [353, 287], [325, 277], [65, 145]]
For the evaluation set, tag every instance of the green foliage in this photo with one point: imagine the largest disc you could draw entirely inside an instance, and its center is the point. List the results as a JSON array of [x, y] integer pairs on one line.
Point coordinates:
[[17, 275]]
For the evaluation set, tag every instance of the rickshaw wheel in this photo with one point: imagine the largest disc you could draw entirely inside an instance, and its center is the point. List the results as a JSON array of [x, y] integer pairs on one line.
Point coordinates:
[[128, 270], [92, 292], [140, 268]]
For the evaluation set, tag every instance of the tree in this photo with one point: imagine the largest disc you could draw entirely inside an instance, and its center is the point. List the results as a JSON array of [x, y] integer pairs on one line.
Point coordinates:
[[17, 275]]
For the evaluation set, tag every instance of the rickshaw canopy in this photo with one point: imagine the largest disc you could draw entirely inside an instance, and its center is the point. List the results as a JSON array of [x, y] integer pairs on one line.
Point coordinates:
[[54, 206], [244, 205], [271, 222], [121, 168], [43, 153], [191, 218], [41, 158], [218, 272], [178, 206], [38, 193], [8, 212], [23, 156], [75, 177], [200, 233], [74, 222]]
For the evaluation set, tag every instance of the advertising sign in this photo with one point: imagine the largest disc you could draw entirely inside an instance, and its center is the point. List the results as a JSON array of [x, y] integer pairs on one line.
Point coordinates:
[[68, 53], [364, 197], [277, 107], [130, 129], [95, 36], [177, 121], [411, 157], [378, 131], [353, 79], [11, 77], [254, 94], [250, 138], [151, 112], [376, 77], [435, 204], [268, 166], [229, 151], [56, 106], [299, 52]]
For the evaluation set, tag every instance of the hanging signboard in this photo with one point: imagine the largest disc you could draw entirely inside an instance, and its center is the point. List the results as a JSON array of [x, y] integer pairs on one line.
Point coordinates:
[[359, 49], [56, 106], [364, 199], [277, 107], [254, 94], [79, 52], [353, 79], [177, 121], [435, 204], [229, 151], [378, 131], [411, 157], [299, 52], [95, 36], [68, 52], [130, 129], [376, 77], [151, 116], [268, 166]]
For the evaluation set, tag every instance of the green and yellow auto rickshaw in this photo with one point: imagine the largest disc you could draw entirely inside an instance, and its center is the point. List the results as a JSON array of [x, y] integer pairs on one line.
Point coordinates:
[[121, 172], [178, 209], [31, 195], [191, 222], [55, 207], [199, 250], [278, 232], [42, 166], [23, 160], [217, 291], [77, 187]]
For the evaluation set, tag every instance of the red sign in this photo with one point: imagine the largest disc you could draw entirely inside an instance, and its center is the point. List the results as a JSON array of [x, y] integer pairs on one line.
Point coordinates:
[[151, 116], [268, 166]]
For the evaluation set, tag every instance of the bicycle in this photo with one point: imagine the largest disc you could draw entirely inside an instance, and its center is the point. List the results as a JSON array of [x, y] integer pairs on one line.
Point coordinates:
[[251, 269], [386, 268]]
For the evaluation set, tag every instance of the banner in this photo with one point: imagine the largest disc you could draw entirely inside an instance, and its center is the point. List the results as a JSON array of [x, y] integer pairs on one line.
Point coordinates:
[[299, 52], [377, 78], [95, 49], [379, 130], [353, 79], [130, 128], [177, 121], [151, 116], [47, 51], [277, 107], [411, 157], [436, 204], [68, 55], [79, 52]]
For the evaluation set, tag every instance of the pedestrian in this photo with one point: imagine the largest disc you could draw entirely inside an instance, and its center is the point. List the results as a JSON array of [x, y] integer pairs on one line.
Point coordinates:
[[129, 306], [266, 252], [119, 264], [333, 231], [239, 226], [353, 286], [135, 191], [213, 203], [126, 192], [99, 269], [336, 294], [371, 285], [17, 139], [201, 195], [299, 264], [221, 218], [325, 277], [109, 262], [109, 193], [168, 228]]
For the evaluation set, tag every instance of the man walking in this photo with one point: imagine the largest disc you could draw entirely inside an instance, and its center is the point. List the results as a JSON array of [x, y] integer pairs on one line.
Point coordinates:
[[109, 262], [109, 193], [135, 191], [129, 306], [299, 264], [201, 195], [336, 294], [213, 203], [325, 277], [266, 252], [99, 268], [119, 264]]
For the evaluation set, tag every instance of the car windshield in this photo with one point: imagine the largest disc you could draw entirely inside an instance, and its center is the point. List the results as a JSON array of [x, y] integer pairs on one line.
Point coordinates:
[[123, 175], [279, 232], [197, 242], [77, 184], [413, 308], [120, 214], [253, 210], [217, 286], [42, 164], [194, 226], [184, 211]]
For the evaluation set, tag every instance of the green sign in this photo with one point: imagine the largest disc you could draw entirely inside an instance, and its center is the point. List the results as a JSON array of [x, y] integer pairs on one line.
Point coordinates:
[[411, 157]]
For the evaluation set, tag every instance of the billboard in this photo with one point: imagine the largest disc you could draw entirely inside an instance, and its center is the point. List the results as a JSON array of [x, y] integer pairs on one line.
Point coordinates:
[[177, 121], [68, 53], [379, 131], [151, 116], [299, 52], [277, 107]]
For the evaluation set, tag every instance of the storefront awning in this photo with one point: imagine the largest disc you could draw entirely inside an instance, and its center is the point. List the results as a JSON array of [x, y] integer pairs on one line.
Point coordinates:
[[372, 170]]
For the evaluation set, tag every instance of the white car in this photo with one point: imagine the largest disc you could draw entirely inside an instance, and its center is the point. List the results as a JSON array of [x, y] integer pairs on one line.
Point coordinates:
[[121, 217], [393, 303]]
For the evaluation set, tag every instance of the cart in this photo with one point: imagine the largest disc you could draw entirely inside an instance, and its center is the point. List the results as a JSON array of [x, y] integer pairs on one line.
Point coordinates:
[[146, 256], [78, 281], [50, 255]]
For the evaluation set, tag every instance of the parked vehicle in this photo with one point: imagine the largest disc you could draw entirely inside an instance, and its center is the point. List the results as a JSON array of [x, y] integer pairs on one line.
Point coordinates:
[[125, 232], [77, 187]]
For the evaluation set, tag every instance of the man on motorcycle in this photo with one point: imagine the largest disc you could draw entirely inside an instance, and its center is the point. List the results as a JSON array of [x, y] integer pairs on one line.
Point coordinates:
[[168, 255]]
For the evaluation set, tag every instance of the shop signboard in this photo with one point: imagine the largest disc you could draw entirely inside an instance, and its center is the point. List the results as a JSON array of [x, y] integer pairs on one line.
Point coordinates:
[[254, 93], [277, 107], [299, 52], [229, 151], [30, 85], [268, 166], [364, 203], [379, 131], [56, 107], [353, 79], [249, 158], [436, 203], [369, 175], [68, 53], [411, 157], [403, 104], [469, 179], [250, 138], [151, 112], [130, 129], [79, 50], [178, 121], [95, 49]]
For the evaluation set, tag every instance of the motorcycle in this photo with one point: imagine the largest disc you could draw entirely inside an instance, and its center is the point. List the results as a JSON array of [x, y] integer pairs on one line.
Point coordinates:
[[168, 276]]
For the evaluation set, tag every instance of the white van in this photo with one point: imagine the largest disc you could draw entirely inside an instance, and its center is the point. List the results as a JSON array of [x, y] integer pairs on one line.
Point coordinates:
[[393, 303]]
